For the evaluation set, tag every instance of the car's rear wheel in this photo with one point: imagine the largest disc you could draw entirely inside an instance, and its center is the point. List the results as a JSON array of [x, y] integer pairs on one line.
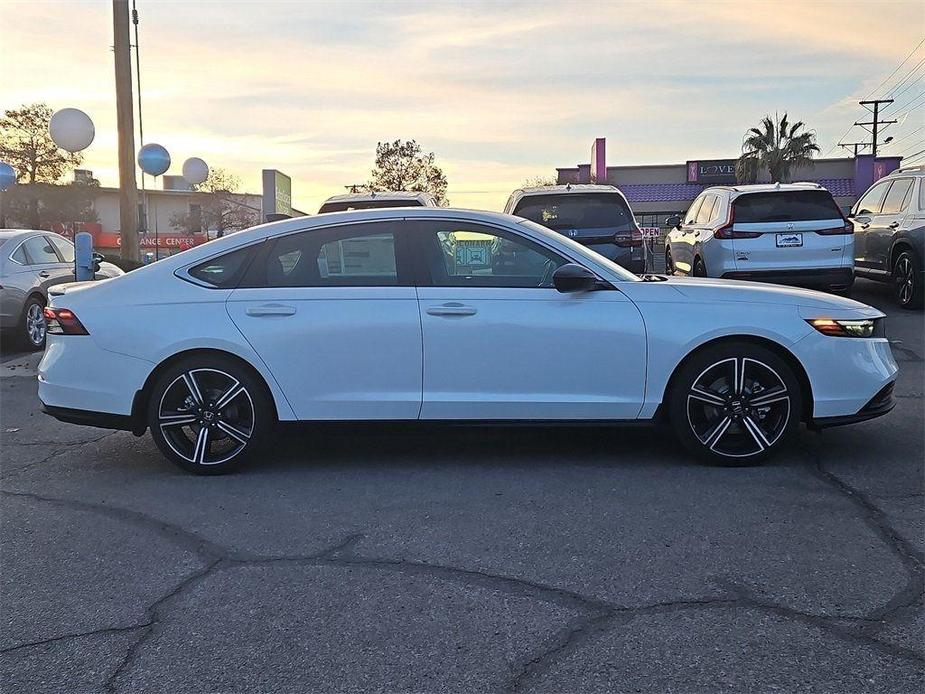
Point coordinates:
[[907, 281], [669, 263], [32, 326], [735, 403], [209, 414]]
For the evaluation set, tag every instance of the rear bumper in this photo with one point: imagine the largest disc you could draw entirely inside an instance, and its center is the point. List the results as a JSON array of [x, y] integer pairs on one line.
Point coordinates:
[[629, 258], [103, 420], [841, 277], [878, 406]]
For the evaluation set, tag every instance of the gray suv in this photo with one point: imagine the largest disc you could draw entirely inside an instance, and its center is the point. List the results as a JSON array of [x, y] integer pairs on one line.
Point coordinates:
[[30, 263], [889, 226], [596, 216]]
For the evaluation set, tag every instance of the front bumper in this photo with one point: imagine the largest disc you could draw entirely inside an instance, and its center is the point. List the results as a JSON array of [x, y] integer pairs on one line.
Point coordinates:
[[879, 405], [835, 278]]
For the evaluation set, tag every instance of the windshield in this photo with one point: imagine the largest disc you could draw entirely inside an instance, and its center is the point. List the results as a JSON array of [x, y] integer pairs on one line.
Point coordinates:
[[347, 205], [786, 206], [577, 211], [581, 251]]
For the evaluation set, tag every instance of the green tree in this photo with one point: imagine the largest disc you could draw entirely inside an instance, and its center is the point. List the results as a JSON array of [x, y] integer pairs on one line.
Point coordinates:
[[402, 165], [39, 205], [26, 146], [219, 208], [776, 146]]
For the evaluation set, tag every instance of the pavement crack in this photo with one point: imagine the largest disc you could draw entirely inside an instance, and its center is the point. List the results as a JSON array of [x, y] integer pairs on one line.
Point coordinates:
[[51, 456], [76, 635]]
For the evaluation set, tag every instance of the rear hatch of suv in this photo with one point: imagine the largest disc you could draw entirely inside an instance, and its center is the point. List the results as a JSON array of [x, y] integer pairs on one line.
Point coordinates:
[[586, 217], [789, 230]]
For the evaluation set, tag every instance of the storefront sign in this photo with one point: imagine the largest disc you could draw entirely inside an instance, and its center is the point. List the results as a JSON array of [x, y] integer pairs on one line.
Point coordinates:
[[277, 193], [715, 171]]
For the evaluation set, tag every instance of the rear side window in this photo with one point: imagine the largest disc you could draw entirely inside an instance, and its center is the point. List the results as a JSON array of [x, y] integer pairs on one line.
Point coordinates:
[[39, 250], [706, 210], [224, 271], [19, 255], [65, 248], [347, 205], [898, 196], [872, 200], [786, 206], [577, 211]]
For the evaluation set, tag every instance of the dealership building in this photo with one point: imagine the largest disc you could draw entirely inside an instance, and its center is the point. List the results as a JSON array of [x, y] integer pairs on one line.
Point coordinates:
[[658, 191]]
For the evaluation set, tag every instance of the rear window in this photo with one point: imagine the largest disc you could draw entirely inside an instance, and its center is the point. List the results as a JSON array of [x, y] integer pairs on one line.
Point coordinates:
[[578, 211], [786, 206], [224, 271], [347, 205]]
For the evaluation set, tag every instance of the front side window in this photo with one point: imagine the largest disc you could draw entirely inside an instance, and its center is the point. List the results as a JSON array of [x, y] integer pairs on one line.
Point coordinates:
[[872, 200], [224, 271], [360, 255], [694, 210], [65, 248], [463, 255], [786, 206], [577, 211], [40, 251], [897, 197]]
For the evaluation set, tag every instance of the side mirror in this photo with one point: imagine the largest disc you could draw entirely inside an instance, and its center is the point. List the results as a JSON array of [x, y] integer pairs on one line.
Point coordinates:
[[850, 215], [674, 221], [574, 278]]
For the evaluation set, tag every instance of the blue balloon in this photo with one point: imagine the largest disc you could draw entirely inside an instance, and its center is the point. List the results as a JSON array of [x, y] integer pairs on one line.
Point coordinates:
[[7, 176], [153, 159]]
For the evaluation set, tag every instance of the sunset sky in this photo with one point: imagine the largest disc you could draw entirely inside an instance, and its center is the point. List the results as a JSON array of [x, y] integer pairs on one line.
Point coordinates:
[[498, 90]]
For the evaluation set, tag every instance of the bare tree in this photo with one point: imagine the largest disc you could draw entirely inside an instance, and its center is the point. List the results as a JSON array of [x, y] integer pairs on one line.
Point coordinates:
[[218, 206], [538, 181], [402, 165]]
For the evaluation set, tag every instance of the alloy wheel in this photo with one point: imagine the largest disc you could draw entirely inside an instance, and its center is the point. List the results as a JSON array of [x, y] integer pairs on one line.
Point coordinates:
[[206, 416], [904, 279], [738, 407], [35, 324]]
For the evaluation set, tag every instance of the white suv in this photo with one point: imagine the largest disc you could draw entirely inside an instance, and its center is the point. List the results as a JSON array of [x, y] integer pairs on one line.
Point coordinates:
[[375, 200], [790, 233]]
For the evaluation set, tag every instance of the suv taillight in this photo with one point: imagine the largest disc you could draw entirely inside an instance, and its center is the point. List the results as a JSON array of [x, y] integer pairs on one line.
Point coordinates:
[[846, 228], [62, 321], [726, 232], [630, 240]]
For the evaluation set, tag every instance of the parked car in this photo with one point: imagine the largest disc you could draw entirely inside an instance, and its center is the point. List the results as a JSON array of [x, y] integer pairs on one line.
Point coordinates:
[[368, 201], [597, 216], [784, 233], [889, 227], [414, 314], [31, 262]]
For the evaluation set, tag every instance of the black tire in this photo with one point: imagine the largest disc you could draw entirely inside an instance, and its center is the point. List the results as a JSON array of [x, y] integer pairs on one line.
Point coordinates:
[[31, 334], [187, 400], [669, 263], [730, 428], [908, 285], [700, 270]]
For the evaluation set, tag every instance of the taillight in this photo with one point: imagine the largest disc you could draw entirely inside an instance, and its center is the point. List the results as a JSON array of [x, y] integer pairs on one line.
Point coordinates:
[[63, 321], [846, 228], [631, 240]]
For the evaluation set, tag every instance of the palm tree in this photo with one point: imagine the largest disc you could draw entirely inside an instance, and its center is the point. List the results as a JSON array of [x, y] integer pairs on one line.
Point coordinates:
[[776, 147]]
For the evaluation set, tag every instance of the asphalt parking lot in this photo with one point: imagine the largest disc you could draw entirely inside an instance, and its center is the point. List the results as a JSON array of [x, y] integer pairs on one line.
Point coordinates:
[[522, 560]]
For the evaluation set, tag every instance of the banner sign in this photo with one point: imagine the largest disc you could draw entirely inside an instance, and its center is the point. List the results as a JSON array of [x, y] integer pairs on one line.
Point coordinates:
[[277, 193], [712, 172]]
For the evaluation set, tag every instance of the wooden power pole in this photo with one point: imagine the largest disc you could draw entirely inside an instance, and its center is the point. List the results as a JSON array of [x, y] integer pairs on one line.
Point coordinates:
[[128, 190]]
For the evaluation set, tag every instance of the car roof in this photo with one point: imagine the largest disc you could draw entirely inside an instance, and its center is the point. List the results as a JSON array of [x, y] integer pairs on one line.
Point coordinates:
[[7, 234], [915, 170], [568, 189], [767, 187], [381, 195]]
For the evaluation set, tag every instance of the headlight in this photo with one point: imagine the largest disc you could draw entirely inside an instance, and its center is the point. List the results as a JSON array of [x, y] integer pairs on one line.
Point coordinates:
[[865, 327]]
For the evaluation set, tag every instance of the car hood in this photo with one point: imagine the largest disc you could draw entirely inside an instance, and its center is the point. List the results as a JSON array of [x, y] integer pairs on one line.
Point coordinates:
[[709, 289]]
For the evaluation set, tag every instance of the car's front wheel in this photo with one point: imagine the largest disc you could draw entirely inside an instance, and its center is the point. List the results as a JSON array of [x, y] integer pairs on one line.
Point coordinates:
[[208, 414], [907, 281], [735, 403]]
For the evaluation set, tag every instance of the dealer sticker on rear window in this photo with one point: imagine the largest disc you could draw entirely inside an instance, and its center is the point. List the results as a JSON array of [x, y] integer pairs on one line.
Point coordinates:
[[789, 240]]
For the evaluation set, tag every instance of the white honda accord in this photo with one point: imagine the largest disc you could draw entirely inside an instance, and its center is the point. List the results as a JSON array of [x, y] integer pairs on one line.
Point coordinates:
[[432, 314]]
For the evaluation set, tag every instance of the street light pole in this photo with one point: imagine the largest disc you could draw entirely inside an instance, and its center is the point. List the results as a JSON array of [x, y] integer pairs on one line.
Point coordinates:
[[128, 191]]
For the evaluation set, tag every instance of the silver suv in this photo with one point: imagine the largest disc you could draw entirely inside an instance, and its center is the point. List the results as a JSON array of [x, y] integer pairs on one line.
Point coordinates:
[[889, 226], [790, 233]]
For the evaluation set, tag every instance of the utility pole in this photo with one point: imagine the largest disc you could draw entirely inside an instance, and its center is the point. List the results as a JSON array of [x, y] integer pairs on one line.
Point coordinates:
[[855, 145], [128, 191], [876, 122]]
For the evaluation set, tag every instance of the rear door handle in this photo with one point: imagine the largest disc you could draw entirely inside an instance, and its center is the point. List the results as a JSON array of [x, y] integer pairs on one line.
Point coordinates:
[[893, 225], [865, 225], [271, 310], [452, 310], [44, 273]]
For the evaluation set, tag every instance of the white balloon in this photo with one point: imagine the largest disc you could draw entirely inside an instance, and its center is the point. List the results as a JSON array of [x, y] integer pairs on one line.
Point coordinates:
[[71, 129], [195, 170]]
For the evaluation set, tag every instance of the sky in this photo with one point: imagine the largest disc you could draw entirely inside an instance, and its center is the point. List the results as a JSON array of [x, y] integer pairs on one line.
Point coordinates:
[[500, 91]]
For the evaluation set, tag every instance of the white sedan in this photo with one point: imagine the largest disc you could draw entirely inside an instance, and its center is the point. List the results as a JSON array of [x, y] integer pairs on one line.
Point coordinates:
[[434, 314]]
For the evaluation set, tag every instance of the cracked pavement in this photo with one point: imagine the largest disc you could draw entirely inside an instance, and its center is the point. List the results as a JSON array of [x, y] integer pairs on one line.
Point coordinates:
[[460, 560]]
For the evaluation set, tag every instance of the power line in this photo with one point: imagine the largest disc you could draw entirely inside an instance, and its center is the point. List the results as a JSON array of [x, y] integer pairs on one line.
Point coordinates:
[[908, 75], [911, 145], [906, 136], [907, 107], [914, 156]]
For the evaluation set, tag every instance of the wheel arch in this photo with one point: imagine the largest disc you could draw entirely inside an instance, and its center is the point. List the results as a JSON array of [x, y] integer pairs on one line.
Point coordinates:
[[900, 245], [140, 401], [806, 389]]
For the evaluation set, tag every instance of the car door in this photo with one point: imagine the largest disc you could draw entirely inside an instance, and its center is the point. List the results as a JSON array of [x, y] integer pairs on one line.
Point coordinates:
[[501, 343], [862, 217], [49, 267], [879, 237], [333, 314], [682, 246], [17, 281]]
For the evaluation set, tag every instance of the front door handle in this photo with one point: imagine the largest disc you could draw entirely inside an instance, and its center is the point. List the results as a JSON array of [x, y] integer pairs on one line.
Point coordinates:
[[453, 309], [865, 225], [44, 273], [893, 225], [271, 310]]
